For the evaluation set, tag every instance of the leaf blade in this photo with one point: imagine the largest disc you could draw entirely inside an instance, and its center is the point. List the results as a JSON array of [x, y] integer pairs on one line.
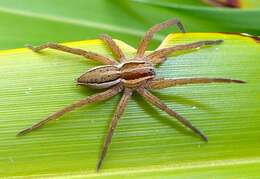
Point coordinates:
[[34, 85]]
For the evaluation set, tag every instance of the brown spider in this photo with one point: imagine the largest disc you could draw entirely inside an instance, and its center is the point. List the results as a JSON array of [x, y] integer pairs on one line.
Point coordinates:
[[128, 75]]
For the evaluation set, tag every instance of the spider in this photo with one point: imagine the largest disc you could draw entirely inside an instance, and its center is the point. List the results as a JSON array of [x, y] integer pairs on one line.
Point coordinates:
[[129, 75]]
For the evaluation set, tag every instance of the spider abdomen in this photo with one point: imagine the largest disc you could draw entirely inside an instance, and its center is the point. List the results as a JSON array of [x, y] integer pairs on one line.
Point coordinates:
[[100, 77]]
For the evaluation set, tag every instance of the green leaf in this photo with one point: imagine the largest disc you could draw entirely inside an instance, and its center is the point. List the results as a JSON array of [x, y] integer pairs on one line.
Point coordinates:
[[147, 142], [36, 22]]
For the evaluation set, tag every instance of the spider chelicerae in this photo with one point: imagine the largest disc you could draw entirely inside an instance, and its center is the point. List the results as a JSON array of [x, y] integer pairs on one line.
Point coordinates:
[[129, 75]]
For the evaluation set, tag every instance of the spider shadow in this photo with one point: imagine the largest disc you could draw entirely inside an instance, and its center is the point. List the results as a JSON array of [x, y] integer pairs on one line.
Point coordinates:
[[182, 52], [167, 120], [185, 101]]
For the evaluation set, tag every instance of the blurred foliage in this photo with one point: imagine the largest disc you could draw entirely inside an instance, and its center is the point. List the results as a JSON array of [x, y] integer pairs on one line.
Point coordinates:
[[36, 22]]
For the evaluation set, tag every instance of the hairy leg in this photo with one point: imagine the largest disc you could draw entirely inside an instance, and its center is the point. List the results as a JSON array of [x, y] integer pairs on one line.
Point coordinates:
[[113, 46], [159, 56], [150, 33], [91, 99], [119, 112], [165, 83], [76, 51], [158, 103]]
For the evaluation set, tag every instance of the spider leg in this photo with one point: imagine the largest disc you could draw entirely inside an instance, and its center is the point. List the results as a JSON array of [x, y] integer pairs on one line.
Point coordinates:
[[76, 51], [158, 103], [149, 34], [113, 46], [159, 56], [119, 112], [91, 99], [165, 83]]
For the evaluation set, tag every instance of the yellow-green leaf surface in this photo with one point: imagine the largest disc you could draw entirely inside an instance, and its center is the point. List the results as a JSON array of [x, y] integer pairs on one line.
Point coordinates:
[[147, 142]]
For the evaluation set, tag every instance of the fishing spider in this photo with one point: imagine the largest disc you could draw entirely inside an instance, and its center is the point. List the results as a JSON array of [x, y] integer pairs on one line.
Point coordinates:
[[129, 75]]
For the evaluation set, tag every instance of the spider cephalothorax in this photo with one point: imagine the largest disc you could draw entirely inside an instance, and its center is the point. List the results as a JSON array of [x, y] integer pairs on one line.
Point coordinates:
[[129, 75]]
